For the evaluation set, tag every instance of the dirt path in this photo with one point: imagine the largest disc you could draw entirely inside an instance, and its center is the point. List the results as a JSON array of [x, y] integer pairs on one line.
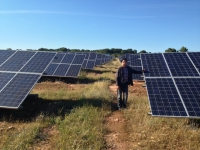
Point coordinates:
[[116, 139]]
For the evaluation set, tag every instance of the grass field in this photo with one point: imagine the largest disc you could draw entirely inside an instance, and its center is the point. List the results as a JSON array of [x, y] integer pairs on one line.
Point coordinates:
[[72, 116]]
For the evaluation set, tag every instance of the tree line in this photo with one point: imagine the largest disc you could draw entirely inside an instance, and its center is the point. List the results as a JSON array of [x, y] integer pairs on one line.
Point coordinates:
[[112, 51]]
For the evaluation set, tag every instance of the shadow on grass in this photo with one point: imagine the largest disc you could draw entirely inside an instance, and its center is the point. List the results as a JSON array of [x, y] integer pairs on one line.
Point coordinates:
[[33, 107]]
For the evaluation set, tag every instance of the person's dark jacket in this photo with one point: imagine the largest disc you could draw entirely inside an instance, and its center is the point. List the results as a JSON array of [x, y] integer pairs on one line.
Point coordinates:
[[120, 75]]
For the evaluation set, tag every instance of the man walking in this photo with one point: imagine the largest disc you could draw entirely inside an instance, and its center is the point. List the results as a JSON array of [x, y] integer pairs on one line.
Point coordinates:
[[123, 79]]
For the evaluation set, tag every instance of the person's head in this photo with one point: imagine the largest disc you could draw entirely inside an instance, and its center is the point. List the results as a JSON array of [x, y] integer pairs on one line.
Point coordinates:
[[124, 62]]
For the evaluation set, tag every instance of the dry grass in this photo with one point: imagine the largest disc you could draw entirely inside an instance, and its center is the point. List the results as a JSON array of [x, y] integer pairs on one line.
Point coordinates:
[[18, 135], [81, 129], [147, 132], [71, 116]]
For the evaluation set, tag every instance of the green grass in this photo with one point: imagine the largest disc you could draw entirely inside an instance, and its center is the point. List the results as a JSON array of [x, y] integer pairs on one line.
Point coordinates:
[[19, 138], [82, 129]]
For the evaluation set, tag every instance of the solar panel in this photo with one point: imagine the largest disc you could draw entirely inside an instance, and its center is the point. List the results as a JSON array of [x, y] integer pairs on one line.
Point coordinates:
[[73, 70], [50, 69], [98, 62], [61, 70], [84, 63], [5, 54], [155, 64], [39, 62], [17, 89], [164, 98], [99, 56], [195, 57], [17, 61], [190, 92], [180, 64], [86, 55], [68, 62], [58, 58], [68, 58], [78, 59], [90, 64], [5, 78], [135, 60], [137, 76], [92, 56], [103, 59]]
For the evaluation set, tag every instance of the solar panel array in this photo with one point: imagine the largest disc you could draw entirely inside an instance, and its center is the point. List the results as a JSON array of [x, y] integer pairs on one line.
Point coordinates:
[[90, 60], [19, 72], [93, 59], [173, 84], [65, 65]]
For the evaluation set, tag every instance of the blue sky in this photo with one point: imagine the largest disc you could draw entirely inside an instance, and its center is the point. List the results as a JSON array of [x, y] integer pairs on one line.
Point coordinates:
[[151, 25]]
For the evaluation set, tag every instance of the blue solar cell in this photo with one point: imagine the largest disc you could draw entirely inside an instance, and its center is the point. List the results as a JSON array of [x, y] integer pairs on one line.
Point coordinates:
[[50, 69], [61, 70], [189, 89], [98, 62], [5, 54], [73, 70], [164, 98], [195, 57], [137, 76], [90, 64], [155, 64], [17, 61], [127, 56], [180, 65], [78, 59], [99, 56], [103, 59], [86, 55], [58, 57], [5, 78], [39, 62], [17, 89], [84, 63], [68, 58], [92, 56], [135, 60]]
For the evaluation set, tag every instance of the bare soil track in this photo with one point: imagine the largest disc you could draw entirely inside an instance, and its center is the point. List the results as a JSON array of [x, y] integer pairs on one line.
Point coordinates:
[[117, 137]]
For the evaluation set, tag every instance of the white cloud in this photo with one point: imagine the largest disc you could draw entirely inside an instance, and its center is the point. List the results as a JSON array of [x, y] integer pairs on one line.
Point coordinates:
[[15, 12]]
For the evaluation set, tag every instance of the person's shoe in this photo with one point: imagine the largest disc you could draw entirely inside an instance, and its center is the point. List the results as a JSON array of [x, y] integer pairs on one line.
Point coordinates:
[[124, 105], [119, 108]]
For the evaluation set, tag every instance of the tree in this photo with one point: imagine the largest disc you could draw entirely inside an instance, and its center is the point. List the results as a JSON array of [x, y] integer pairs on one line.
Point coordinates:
[[9, 48], [170, 50], [142, 51], [183, 49], [135, 51]]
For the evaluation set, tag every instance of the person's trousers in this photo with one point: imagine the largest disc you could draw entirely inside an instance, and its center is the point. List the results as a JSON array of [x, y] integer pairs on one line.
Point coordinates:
[[122, 95]]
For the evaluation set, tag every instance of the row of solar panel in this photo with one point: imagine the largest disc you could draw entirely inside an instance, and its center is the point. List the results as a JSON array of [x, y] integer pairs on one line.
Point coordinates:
[[171, 64], [14, 87], [166, 64], [22, 61], [25, 61], [20, 71], [174, 97], [63, 64], [173, 83]]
